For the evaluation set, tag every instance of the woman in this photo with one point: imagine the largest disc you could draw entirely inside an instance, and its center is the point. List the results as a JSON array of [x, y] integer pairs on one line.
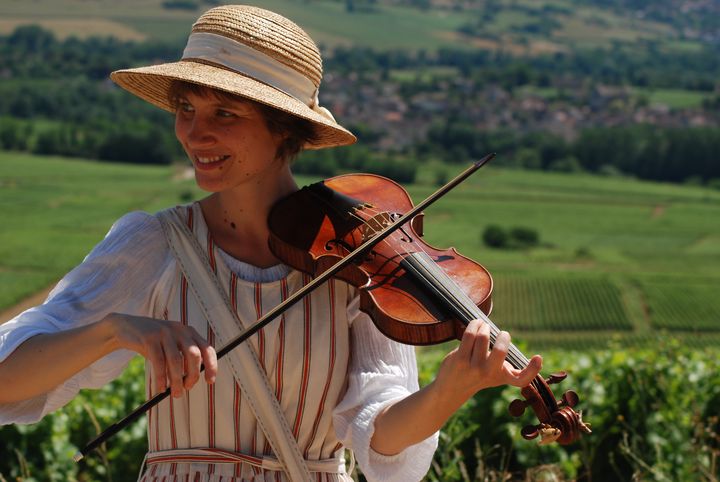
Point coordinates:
[[245, 98]]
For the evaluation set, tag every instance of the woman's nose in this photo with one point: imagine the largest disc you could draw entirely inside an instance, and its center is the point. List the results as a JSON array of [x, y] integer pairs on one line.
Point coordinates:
[[199, 132]]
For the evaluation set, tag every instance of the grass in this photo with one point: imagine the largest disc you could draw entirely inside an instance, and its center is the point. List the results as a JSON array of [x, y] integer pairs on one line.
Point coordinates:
[[58, 209], [674, 98], [616, 255], [384, 27]]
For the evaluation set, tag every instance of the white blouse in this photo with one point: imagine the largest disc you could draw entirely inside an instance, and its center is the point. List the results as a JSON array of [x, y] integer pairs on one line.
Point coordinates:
[[134, 254]]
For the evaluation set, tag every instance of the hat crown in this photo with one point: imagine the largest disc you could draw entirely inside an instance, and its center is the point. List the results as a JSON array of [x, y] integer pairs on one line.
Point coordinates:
[[267, 32]]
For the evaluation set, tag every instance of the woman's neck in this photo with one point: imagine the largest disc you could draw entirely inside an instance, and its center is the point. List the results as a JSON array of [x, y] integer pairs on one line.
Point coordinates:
[[237, 218]]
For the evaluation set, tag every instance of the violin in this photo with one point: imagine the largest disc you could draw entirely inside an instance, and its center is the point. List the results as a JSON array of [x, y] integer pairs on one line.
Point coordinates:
[[415, 293]]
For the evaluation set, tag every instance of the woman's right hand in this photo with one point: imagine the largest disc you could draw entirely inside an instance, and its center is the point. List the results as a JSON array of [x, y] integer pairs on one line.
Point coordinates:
[[174, 350]]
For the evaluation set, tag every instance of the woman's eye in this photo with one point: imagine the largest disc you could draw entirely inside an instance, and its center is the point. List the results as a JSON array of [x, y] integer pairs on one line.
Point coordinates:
[[224, 113], [185, 106]]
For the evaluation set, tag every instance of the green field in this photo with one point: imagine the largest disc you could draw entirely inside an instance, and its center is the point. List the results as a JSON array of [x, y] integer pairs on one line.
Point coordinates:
[[330, 24], [616, 256]]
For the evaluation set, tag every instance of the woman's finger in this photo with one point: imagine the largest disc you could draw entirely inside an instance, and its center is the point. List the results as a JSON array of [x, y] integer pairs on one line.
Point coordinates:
[[156, 357], [526, 375], [482, 344], [499, 350], [175, 363], [467, 343], [193, 358]]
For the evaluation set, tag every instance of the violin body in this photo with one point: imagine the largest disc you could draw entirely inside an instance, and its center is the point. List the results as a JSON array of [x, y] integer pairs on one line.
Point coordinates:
[[401, 308], [414, 293]]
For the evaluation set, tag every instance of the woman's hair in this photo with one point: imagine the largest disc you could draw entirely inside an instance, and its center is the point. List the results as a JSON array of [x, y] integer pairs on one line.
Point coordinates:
[[295, 131]]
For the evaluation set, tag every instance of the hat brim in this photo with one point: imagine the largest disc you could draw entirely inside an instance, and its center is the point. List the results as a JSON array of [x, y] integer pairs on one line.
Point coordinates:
[[152, 84]]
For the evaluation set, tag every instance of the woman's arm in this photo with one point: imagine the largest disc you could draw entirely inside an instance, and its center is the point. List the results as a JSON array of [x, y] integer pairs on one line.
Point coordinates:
[[45, 361], [73, 333], [466, 370]]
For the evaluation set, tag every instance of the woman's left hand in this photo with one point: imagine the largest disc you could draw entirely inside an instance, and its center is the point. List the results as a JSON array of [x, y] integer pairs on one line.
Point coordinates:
[[469, 368], [473, 366]]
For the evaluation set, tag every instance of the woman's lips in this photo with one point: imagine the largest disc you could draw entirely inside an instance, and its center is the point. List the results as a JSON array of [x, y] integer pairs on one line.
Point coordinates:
[[205, 163]]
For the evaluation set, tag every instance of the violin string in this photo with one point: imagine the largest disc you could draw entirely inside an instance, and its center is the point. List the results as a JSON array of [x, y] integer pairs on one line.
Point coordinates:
[[514, 354]]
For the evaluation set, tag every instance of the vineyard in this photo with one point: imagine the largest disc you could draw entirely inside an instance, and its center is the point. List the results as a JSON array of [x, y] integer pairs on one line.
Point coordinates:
[[683, 305], [558, 304]]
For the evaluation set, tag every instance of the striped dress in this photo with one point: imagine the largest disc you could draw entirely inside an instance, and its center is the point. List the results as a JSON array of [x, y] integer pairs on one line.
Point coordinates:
[[304, 353]]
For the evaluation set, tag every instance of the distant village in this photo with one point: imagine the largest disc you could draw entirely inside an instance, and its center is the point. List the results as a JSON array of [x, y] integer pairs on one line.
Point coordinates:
[[400, 117]]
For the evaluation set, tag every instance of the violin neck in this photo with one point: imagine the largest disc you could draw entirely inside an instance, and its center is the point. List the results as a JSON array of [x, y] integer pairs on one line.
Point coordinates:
[[449, 295]]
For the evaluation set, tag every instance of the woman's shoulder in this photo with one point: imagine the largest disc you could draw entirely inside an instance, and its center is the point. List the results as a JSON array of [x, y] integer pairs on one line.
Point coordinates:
[[143, 225], [136, 231]]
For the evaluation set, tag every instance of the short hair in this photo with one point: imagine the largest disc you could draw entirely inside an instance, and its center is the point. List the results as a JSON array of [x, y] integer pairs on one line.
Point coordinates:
[[295, 131]]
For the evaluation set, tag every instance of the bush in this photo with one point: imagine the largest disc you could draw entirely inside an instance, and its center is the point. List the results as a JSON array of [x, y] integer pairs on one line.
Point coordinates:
[[654, 415], [524, 237], [517, 238], [495, 236]]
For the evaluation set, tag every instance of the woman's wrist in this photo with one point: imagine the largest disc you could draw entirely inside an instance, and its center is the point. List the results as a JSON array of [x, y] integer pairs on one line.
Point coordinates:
[[109, 332]]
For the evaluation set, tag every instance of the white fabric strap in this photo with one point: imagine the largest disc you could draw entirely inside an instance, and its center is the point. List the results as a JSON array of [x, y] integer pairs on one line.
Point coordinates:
[[253, 63], [246, 368], [220, 456]]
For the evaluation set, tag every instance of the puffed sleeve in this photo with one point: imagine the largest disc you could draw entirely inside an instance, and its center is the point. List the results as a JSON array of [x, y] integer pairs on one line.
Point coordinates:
[[117, 276], [381, 373]]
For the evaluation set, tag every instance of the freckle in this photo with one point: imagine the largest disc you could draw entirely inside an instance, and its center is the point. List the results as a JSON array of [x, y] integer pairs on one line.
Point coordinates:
[[232, 225]]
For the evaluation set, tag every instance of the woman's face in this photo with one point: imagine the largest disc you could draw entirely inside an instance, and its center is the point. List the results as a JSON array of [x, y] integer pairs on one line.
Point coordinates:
[[227, 141]]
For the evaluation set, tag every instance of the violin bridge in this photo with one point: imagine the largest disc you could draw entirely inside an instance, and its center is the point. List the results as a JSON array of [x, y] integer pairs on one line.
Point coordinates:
[[374, 225]]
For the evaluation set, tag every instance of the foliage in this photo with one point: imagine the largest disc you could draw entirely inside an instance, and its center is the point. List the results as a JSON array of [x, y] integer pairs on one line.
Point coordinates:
[[495, 236], [518, 237], [43, 451], [654, 416], [356, 158]]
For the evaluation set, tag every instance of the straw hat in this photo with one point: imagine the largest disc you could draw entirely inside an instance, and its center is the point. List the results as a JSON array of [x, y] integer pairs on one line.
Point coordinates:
[[249, 52]]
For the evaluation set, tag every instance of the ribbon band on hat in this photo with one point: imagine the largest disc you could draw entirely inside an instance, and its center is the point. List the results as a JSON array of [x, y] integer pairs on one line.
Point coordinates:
[[253, 63]]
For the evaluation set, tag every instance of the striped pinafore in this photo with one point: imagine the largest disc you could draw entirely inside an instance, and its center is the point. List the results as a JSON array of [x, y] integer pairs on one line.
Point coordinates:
[[304, 353]]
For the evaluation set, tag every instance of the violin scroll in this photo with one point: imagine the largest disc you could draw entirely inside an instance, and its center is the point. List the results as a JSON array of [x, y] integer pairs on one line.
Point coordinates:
[[558, 421]]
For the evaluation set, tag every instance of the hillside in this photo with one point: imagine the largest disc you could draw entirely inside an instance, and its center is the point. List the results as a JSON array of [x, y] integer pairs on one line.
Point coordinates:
[[616, 256], [515, 26]]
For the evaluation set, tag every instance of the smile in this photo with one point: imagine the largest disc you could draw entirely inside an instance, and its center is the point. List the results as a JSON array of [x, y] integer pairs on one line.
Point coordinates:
[[210, 160]]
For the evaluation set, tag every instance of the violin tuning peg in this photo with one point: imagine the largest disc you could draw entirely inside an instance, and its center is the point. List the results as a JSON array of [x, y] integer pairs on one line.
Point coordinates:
[[584, 426], [548, 434], [570, 398], [556, 378], [529, 432], [517, 407]]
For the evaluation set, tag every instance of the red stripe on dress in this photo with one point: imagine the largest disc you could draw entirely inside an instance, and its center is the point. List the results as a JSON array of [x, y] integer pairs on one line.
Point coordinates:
[[190, 217], [211, 341], [331, 368], [280, 362], [258, 315], [211, 404], [281, 348], [306, 362], [183, 320], [211, 251], [237, 396], [261, 351]]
